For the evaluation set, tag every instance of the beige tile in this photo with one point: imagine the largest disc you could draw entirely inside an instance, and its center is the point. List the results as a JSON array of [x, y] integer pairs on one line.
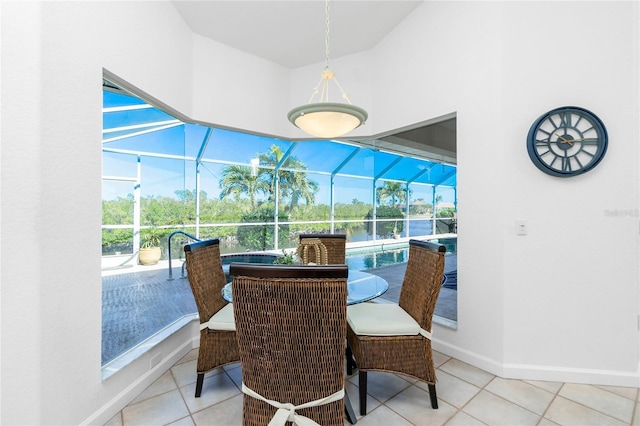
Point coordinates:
[[383, 386], [228, 413], [568, 413], [523, 394], [382, 416], [439, 358], [232, 366], [161, 409], [185, 421], [236, 375], [463, 419], [192, 355], [115, 420], [630, 393], [451, 389], [165, 383], [467, 372], [354, 396], [552, 387], [600, 400], [636, 416], [409, 379], [493, 410], [547, 422], [186, 373], [414, 405], [216, 388]]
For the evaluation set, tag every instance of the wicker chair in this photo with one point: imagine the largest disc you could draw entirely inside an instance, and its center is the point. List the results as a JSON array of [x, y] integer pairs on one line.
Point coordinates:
[[397, 337], [335, 244], [311, 251], [291, 329], [218, 345]]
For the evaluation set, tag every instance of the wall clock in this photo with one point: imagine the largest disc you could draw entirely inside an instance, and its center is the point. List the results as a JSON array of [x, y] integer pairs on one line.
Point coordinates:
[[567, 141]]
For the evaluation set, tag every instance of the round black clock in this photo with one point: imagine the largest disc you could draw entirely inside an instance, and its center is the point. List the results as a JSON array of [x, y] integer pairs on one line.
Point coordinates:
[[567, 141]]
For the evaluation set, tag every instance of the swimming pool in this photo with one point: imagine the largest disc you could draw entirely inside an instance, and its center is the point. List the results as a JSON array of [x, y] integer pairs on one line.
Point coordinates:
[[388, 254], [356, 258], [227, 259]]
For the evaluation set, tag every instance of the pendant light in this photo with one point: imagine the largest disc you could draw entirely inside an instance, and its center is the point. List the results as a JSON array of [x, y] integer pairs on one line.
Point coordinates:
[[326, 119]]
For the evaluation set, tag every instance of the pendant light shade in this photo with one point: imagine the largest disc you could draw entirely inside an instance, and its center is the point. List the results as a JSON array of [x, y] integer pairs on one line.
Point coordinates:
[[326, 119]]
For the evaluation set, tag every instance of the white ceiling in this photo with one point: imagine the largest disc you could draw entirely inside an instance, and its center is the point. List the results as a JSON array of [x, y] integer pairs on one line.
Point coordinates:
[[292, 32]]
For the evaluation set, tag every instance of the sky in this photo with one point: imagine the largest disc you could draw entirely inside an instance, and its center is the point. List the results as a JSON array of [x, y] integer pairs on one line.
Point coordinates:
[[155, 132]]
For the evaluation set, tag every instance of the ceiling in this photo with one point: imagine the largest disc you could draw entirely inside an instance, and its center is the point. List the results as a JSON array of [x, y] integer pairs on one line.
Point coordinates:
[[292, 32]]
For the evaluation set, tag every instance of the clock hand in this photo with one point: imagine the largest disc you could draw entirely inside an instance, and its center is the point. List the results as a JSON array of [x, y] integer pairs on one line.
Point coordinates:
[[569, 141]]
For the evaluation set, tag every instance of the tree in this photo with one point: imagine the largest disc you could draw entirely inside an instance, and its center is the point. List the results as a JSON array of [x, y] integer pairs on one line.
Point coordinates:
[[394, 191], [186, 195], [261, 236], [386, 228], [293, 183], [446, 212], [238, 180]]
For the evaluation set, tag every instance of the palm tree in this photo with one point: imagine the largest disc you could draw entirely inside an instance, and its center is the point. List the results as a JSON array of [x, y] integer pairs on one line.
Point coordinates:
[[293, 184], [301, 188], [393, 191], [237, 180]]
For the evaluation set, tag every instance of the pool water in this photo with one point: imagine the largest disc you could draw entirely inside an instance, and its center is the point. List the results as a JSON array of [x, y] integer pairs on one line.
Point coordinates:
[[377, 257], [227, 259]]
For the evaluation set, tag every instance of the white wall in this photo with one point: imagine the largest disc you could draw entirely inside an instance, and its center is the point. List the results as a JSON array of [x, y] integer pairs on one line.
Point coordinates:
[[560, 303], [239, 91], [53, 54], [571, 286]]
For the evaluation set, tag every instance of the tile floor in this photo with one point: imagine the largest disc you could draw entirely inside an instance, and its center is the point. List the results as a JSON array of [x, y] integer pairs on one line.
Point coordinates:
[[467, 396]]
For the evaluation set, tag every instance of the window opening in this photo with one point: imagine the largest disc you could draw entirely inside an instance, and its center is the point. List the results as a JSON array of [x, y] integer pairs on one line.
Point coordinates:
[[161, 174]]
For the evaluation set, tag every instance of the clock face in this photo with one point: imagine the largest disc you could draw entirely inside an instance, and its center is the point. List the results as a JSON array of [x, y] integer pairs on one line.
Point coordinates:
[[567, 141]]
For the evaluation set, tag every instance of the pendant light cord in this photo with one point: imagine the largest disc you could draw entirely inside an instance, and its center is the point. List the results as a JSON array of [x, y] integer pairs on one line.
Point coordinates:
[[327, 39]]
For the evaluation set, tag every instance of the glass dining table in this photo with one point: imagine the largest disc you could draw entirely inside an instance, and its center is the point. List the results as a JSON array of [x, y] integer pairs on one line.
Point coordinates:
[[361, 287]]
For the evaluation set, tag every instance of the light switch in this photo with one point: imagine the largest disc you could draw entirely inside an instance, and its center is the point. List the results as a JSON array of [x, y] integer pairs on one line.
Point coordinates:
[[521, 227]]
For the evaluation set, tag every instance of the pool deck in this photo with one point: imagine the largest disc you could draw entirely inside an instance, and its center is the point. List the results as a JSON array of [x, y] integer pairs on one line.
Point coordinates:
[[447, 304], [138, 301]]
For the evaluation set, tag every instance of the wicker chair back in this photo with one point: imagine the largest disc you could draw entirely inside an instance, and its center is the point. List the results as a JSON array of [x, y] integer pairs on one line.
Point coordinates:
[[206, 278], [335, 244], [291, 330], [409, 354], [422, 281]]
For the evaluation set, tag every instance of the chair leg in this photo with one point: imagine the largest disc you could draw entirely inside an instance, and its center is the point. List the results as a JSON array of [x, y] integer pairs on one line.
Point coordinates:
[[350, 361], [432, 395], [199, 382], [362, 383], [348, 410]]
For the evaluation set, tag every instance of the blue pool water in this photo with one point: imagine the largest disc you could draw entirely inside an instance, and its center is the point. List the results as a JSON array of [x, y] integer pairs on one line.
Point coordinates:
[[227, 259], [389, 254]]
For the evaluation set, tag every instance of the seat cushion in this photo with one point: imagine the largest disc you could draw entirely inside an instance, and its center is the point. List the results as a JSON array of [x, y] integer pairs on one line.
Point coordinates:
[[222, 320], [373, 319]]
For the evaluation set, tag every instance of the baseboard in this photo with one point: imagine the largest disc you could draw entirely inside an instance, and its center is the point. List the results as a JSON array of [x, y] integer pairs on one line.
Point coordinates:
[[571, 375], [142, 380], [540, 372]]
